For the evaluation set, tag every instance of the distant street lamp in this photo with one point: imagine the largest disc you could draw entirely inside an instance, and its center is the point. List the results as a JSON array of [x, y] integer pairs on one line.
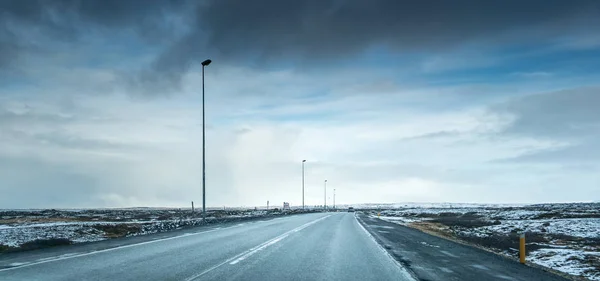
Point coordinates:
[[303, 161], [334, 199], [204, 63], [325, 205]]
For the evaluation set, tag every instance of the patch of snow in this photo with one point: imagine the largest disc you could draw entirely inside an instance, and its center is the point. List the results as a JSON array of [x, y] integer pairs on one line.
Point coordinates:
[[15, 236], [585, 228], [567, 261], [399, 220], [568, 228]]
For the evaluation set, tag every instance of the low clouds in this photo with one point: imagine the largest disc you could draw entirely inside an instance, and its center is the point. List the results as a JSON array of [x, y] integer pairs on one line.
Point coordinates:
[[124, 153], [568, 114], [568, 117], [389, 100]]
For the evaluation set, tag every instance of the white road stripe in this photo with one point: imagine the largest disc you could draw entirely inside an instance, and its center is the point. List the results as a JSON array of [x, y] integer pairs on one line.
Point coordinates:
[[66, 256], [449, 254], [271, 242], [242, 256]]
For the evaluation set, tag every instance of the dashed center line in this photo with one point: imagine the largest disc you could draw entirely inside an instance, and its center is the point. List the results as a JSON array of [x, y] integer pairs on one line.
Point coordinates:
[[449, 254], [244, 255]]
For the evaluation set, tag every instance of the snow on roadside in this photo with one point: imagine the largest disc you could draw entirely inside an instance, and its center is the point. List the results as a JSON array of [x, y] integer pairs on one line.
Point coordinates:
[[569, 261], [572, 231], [24, 226], [585, 228], [15, 236], [398, 220]]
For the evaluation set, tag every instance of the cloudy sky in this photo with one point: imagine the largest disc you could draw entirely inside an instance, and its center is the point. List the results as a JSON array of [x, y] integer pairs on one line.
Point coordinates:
[[391, 101]]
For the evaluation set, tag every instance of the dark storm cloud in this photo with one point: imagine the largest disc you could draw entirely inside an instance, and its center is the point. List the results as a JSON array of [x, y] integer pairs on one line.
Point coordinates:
[[32, 25], [323, 28], [318, 32], [265, 32], [68, 15]]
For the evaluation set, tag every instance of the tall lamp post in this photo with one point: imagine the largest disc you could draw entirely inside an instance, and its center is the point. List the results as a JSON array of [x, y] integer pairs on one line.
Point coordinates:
[[325, 205], [204, 63], [303, 161], [334, 200]]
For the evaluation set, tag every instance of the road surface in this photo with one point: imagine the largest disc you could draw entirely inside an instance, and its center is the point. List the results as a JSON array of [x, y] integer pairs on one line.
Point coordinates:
[[322, 246], [428, 257]]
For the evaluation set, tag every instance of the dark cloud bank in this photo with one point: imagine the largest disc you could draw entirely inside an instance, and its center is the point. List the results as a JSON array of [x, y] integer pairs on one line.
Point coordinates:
[[271, 31]]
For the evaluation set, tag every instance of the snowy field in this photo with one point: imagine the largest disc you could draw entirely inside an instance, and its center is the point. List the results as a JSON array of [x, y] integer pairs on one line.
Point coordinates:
[[31, 229], [564, 237]]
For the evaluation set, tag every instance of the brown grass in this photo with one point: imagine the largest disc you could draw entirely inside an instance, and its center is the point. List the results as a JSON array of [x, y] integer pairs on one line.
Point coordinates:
[[4, 248], [118, 230], [433, 228], [45, 243]]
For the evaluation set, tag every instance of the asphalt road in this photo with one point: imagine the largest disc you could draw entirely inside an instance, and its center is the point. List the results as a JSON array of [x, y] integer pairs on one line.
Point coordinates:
[[322, 246], [428, 257]]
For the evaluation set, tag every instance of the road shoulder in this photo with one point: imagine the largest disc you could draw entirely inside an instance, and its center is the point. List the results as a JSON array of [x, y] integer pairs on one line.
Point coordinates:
[[429, 257]]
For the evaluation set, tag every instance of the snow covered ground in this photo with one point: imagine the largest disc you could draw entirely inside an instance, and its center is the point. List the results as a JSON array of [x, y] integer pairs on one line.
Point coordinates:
[[564, 237], [18, 227]]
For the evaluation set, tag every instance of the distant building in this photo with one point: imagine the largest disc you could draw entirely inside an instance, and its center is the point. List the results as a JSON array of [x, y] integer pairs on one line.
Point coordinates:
[[286, 205]]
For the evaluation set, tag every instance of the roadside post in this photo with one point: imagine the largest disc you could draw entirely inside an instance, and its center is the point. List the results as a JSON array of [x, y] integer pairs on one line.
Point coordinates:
[[522, 248]]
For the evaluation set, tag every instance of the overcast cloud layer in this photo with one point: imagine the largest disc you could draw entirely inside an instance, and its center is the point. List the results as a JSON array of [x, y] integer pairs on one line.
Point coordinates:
[[391, 101]]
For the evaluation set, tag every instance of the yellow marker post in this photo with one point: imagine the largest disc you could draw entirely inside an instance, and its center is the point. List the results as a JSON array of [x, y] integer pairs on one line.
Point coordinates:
[[378, 214], [522, 248]]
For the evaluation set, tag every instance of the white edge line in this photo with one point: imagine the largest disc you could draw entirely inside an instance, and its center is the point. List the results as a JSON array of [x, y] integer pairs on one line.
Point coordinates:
[[402, 268], [66, 257], [243, 255]]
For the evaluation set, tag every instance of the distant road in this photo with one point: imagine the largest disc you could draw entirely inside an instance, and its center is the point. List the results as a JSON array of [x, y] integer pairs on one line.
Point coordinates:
[[322, 246], [432, 258]]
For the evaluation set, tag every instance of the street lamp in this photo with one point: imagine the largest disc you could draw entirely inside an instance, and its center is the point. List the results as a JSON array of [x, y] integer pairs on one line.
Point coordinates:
[[204, 63], [325, 205], [303, 184], [334, 200]]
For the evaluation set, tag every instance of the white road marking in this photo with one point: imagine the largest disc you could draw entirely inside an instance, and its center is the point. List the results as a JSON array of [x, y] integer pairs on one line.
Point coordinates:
[[430, 245], [383, 226], [447, 270], [67, 256], [480, 266], [449, 254], [239, 257], [262, 247]]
